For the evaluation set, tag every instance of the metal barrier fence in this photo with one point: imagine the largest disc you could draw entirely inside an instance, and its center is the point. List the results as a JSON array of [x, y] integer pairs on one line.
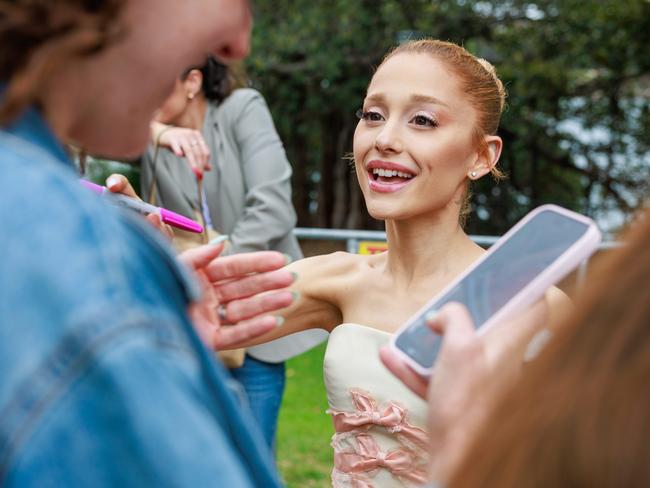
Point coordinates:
[[354, 237]]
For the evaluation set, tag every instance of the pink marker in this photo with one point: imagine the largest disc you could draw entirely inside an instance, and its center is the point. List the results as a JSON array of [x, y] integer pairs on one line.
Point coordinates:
[[167, 216]]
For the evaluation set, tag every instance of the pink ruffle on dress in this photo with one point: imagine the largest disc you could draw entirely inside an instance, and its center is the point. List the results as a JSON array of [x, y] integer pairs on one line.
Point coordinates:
[[379, 438]]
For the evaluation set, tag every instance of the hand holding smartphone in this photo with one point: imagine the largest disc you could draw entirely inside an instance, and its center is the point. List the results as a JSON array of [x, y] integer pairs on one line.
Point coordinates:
[[540, 250]]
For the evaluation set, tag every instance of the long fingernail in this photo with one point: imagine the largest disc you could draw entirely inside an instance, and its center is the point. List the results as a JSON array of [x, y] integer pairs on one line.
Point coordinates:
[[288, 259], [219, 239], [279, 321]]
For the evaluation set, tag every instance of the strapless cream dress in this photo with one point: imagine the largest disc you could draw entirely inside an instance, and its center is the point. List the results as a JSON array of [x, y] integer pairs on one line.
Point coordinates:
[[379, 438]]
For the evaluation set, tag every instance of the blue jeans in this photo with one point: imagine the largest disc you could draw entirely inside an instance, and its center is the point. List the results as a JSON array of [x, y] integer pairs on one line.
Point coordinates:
[[264, 386]]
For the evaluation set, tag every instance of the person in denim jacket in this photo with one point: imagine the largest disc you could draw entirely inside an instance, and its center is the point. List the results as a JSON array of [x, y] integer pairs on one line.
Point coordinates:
[[104, 378]]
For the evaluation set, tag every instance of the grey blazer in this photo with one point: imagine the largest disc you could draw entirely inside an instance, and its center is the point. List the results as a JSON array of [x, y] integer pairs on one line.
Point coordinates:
[[248, 191]]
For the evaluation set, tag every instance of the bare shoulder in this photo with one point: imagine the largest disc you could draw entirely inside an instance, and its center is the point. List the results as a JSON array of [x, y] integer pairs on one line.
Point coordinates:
[[321, 277], [327, 267]]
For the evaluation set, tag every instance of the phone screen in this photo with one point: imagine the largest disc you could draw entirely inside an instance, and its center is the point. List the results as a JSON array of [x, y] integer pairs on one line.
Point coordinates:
[[495, 281]]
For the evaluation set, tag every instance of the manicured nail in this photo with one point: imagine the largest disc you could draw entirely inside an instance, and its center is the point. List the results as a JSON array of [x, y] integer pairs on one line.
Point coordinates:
[[288, 259], [112, 181], [295, 295], [279, 321], [219, 239], [431, 315], [295, 276]]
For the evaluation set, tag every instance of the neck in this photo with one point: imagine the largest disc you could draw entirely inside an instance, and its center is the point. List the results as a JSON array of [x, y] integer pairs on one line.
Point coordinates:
[[194, 116], [427, 247]]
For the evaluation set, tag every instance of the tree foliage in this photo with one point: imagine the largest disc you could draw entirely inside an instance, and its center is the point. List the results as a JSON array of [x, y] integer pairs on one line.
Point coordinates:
[[576, 130]]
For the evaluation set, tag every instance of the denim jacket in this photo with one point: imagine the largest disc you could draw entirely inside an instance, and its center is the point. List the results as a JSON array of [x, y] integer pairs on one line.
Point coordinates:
[[103, 381]]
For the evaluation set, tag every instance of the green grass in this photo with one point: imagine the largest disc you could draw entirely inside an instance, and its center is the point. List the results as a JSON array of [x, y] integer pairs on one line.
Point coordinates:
[[304, 455]]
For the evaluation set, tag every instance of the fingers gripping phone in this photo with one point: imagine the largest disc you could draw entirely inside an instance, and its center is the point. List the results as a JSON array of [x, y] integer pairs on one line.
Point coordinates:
[[540, 250]]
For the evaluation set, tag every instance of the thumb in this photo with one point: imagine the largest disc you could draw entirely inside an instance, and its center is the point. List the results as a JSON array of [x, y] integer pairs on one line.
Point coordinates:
[[117, 183], [515, 332], [450, 312]]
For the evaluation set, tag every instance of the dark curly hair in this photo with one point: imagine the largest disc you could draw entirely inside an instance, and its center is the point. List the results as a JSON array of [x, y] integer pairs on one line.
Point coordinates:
[[36, 35]]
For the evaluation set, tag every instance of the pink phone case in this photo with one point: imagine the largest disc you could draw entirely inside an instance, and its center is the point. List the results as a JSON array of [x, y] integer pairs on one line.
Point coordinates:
[[533, 290]]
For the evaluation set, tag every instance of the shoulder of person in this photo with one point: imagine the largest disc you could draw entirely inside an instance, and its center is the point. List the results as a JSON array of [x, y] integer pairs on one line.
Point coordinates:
[[241, 98], [328, 269], [243, 95], [241, 102]]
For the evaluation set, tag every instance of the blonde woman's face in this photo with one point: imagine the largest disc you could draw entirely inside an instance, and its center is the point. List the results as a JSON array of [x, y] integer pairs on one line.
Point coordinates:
[[413, 145]]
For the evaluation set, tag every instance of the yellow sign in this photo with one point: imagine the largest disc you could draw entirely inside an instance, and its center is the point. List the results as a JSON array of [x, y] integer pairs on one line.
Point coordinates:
[[372, 247]]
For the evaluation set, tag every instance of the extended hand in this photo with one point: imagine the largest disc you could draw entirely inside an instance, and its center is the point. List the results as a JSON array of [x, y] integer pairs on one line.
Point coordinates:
[[246, 287]]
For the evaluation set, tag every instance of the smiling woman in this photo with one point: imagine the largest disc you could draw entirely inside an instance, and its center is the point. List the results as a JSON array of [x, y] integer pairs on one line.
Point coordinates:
[[423, 88], [426, 130]]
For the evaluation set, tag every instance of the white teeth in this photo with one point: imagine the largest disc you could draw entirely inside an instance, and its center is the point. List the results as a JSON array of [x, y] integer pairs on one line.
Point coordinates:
[[389, 173]]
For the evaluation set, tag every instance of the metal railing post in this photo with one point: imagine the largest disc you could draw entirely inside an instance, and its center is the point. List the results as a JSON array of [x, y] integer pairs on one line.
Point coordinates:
[[352, 245]]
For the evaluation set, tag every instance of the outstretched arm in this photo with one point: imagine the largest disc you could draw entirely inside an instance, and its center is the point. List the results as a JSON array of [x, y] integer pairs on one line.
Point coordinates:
[[316, 304], [240, 294]]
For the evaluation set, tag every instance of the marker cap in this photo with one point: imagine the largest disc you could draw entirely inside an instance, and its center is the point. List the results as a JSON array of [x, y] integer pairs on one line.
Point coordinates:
[[180, 221], [93, 186]]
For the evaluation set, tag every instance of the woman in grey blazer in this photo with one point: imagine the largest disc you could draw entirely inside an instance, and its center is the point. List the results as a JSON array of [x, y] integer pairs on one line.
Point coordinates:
[[246, 195]]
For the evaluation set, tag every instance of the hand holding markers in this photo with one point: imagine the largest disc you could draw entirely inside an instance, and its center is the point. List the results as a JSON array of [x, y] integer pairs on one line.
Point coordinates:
[[247, 287], [132, 203]]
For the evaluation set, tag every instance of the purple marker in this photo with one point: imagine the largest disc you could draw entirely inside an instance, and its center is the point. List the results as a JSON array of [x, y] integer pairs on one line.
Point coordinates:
[[167, 216]]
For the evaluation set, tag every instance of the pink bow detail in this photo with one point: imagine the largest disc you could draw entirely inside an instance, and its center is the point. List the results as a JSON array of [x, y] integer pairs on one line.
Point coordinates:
[[367, 413], [392, 417], [368, 457], [350, 480]]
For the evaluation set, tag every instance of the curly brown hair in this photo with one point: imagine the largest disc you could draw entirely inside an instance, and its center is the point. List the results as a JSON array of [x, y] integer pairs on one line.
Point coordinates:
[[36, 35]]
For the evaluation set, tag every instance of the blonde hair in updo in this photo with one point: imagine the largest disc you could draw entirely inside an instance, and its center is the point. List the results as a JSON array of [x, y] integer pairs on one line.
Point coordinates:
[[478, 80]]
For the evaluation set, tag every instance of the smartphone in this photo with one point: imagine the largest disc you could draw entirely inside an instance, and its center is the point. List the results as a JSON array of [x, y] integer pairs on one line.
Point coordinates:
[[540, 250]]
